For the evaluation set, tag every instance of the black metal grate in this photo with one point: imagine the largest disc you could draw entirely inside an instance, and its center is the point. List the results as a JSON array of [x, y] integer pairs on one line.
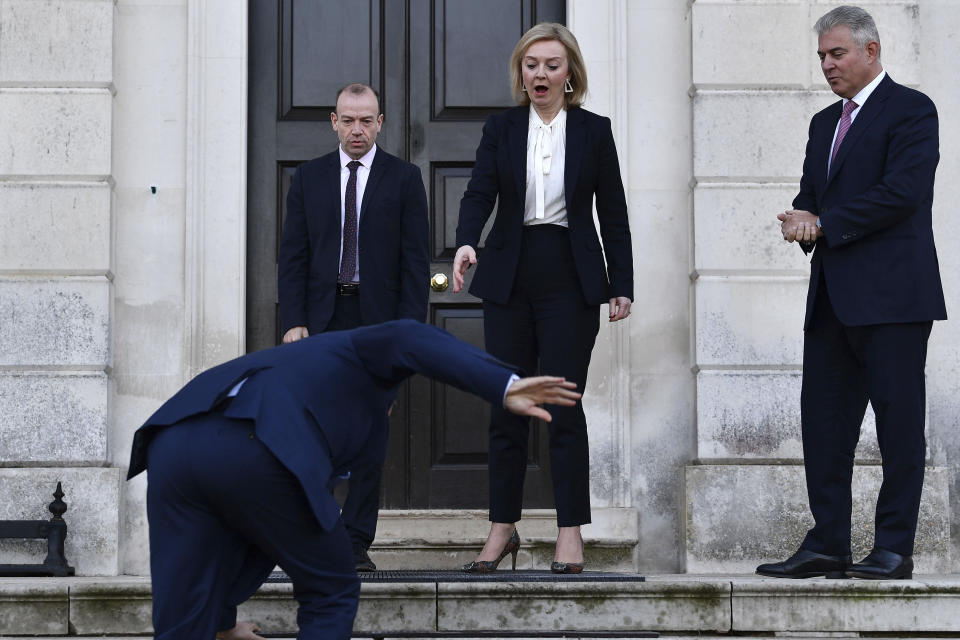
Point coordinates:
[[496, 576]]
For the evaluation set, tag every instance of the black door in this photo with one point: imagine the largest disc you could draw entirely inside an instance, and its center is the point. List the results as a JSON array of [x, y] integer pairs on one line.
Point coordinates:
[[441, 68]]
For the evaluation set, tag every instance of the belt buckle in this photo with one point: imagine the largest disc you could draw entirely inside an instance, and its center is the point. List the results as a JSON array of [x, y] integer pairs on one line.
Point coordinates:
[[348, 288]]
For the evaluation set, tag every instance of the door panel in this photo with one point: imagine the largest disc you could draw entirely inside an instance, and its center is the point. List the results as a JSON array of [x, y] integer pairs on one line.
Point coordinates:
[[440, 67]]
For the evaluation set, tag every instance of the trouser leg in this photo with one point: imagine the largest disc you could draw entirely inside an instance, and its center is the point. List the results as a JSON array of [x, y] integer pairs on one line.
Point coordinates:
[[833, 400], [895, 357], [509, 335]]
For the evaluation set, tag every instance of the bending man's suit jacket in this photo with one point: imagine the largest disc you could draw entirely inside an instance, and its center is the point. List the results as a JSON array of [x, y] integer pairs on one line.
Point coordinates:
[[590, 167], [393, 244], [877, 254], [320, 404]]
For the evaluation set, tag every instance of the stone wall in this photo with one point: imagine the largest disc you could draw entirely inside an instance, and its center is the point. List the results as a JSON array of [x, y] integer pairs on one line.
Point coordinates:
[[56, 274], [756, 83], [111, 295]]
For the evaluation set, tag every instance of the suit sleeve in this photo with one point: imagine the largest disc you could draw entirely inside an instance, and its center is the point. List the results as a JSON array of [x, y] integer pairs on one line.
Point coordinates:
[[414, 250], [394, 351], [293, 259], [482, 190], [614, 219], [910, 164]]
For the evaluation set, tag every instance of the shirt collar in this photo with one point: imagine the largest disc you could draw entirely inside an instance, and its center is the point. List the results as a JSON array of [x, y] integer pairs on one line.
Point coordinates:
[[366, 160], [861, 97], [558, 120]]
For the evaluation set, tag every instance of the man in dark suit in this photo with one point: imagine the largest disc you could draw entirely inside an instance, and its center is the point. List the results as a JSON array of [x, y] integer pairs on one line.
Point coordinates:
[[864, 209], [243, 460], [354, 252]]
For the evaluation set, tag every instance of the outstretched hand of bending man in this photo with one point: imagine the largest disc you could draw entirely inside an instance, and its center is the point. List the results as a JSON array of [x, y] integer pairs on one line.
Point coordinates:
[[525, 394]]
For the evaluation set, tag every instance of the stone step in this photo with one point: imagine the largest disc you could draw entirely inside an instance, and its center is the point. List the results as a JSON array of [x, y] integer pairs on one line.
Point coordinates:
[[428, 539], [668, 604]]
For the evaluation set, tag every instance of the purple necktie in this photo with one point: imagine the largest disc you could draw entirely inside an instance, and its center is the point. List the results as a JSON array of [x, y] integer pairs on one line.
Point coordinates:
[[844, 126], [348, 259]]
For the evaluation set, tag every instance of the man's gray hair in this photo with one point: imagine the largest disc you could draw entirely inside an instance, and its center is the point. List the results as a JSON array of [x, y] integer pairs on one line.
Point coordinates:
[[861, 24]]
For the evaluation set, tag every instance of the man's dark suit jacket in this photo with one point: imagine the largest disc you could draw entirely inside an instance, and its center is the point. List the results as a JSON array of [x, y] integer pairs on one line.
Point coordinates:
[[393, 244], [320, 404], [590, 167], [877, 253]]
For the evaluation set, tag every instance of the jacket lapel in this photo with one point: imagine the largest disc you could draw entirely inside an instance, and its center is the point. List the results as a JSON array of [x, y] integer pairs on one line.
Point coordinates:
[[518, 128], [868, 113], [576, 138], [373, 180], [333, 190]]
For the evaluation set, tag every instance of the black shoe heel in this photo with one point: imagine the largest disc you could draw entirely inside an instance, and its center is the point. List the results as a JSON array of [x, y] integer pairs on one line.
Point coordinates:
[[837, 575]]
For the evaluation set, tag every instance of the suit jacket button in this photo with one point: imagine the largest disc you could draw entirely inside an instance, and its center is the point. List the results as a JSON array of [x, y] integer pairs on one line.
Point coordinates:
[[250, 435]]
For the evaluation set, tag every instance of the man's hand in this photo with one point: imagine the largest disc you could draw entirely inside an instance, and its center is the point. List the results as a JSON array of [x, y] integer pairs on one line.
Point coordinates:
[[295, 333], [799, 225], [466, 257], [619, 308], [525, 394], [242, 631]]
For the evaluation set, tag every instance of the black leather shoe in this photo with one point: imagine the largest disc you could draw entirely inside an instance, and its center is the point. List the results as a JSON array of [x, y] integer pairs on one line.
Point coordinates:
[[881, 564], [360, 556], [807, 564]]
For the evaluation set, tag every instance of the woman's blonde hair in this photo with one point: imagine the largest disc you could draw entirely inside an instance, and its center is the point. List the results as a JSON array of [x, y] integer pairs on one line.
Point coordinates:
[[578, 71]]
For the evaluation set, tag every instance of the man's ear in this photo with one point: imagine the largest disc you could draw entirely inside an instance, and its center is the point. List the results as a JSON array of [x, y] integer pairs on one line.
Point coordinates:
[[333, 120]]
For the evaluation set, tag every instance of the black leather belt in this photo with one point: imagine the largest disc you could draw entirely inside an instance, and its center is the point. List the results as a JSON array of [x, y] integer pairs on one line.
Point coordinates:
[[348, 288]]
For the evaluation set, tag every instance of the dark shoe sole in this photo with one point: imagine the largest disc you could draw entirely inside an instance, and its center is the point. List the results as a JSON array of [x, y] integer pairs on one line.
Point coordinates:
[[829, 575], [875, 576]]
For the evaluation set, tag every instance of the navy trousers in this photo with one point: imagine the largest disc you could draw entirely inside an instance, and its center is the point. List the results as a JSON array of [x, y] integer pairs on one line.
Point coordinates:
[[360, 509], [223, 512], [545, 322], [843, 368]]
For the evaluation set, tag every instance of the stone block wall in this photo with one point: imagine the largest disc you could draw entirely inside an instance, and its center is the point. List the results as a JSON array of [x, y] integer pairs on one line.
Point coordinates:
[[756, 83], [56, 291]]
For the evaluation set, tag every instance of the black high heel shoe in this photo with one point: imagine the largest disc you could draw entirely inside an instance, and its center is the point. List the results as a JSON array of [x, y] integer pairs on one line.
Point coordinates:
[[489, 566]]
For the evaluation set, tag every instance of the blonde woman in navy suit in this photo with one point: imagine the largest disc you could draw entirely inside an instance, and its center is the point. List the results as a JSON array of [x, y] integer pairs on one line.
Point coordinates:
[[542, 274]]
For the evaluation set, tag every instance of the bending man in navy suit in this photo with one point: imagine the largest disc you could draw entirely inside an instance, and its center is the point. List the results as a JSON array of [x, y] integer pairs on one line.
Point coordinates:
[[354, 251], [244, 458], [864, 209]]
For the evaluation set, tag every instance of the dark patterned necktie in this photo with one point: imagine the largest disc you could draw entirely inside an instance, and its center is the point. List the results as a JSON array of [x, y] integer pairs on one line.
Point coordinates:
[[348, 260], [845, 123]]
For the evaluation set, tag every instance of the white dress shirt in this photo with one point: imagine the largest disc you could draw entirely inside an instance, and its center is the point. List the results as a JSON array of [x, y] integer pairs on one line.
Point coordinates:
[[363, 172], [546, 151], [860, 99]]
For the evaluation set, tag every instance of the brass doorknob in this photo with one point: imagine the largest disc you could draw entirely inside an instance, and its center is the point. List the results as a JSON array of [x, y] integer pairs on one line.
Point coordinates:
[[439, 282]]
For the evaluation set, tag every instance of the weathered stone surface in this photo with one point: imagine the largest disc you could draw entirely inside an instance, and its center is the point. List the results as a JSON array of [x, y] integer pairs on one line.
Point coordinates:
[[55, 226], [53, 418], [637, 606], [750, 414], [909, 607], [33, 606], [778, 37], [117, 606], [736, 227], [92, 496], [747, 320], [63, 321], [56, 41], [58, 132], [407, 607], [739, 516], [773, 148]]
